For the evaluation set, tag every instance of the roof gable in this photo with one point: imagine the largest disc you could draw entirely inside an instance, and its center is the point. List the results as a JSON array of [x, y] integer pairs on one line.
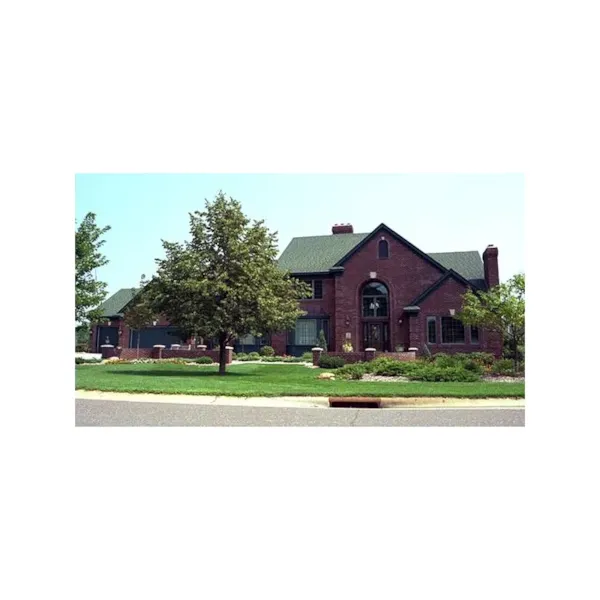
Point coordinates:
[[450, 274], [114, 305], [317, 254], [397, 237]]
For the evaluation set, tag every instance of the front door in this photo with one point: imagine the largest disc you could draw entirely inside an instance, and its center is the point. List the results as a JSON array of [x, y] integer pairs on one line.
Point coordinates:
[[376, 335]]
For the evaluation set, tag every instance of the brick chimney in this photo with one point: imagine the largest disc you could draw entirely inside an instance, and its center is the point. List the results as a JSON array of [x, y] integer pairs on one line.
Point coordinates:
[[490, 266], [342, 228]]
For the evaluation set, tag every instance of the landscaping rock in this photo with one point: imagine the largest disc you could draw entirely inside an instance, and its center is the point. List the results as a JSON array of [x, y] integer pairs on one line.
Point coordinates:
[[329, 376], [370, 377]]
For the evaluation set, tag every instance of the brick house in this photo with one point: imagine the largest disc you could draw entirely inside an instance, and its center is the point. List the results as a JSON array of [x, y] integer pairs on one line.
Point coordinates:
[[374, 290]]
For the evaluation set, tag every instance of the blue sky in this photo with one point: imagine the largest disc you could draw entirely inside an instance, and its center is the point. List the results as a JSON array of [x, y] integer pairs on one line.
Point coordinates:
[[436, 212]]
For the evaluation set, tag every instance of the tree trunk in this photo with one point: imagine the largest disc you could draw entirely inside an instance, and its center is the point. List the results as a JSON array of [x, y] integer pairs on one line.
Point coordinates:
[[138, 343], [222, 354]]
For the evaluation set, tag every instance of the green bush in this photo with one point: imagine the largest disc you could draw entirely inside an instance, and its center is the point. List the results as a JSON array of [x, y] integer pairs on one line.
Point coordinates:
[[307, 357], [485, 359], [241, 356], [254, 356], [331, 362], [80, 360], [444, 360], [267, 351], [271, 359], [353, 371], [504, 366], [292, 359], [204, 360], [244, 358], [389, 367], [435, 373], [473, 366]]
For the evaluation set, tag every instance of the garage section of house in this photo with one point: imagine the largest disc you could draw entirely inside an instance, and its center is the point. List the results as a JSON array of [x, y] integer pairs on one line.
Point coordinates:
[[154, 336]]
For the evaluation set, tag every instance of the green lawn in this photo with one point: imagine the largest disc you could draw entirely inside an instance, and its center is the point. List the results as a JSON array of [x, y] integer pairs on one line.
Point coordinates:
[[267, 380]]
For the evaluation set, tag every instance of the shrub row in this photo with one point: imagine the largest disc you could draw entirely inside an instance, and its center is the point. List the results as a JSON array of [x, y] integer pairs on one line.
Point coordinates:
[[417, 371], [80, 360], [243, 357]]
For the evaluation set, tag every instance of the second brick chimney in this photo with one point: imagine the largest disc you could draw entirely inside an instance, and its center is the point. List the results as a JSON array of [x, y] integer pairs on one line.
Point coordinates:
[[342, 228], [490, 266]]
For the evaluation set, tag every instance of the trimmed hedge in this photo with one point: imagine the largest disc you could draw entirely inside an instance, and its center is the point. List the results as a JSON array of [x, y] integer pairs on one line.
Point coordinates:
[[267, 351], [504, 366], [331, 362]]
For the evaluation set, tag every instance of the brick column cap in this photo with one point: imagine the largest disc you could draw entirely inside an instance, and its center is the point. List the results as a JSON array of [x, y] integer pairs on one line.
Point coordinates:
[[201, 347], [370, 349], [413, 349], [319, 349], [107, 346], [228, 347], [159, 346]]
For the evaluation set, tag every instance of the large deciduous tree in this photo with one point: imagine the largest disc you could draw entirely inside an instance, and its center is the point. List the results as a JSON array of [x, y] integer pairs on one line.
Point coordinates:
[[225, 282], [500, 309], [89, 292], [140, 313]]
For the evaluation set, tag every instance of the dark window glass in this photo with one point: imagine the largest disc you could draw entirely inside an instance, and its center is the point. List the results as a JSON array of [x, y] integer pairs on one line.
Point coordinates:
[[375, 300], [383, 250], [317, 288], [453, 331], [431, 333], [474, 334]]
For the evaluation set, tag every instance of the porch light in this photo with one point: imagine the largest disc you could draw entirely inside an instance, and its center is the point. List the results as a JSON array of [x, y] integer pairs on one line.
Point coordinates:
[[347, 322], [109, 323], [452, 312], [154, 323]]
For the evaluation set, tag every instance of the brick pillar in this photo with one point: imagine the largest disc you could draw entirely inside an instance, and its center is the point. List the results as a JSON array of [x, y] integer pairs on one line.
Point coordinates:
[[228, 355], [157, 351], [369, 354], [414, 331], [279, 342], [108, 351], [316, 352]]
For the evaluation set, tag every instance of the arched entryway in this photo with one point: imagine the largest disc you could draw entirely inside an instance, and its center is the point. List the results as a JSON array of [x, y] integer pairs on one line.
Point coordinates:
[[375, 312]]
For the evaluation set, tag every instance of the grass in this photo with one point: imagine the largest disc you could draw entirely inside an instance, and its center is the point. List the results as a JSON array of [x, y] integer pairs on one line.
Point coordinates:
[[268, 380]]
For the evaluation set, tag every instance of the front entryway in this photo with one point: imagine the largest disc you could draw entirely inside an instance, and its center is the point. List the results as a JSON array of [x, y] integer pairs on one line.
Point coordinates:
[[376, 335]]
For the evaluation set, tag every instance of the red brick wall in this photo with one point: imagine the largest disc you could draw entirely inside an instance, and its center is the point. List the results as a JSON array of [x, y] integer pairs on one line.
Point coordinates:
[[438, 304], [131, 353], [404, 273]]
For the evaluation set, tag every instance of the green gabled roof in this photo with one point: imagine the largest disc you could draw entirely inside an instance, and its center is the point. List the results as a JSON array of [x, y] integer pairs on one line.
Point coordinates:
[[114, 305], [468, 264], [318, 253]]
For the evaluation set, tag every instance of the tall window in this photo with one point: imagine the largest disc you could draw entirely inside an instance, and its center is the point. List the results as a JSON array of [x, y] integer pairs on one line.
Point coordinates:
[[431, 331], [316, 292], [375, 300], [453, 331], [306, 332], [474, 334], [383, 250]]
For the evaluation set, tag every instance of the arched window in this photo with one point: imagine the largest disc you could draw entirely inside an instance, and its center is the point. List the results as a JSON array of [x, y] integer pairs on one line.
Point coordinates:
[[383, 250], [375, 300]]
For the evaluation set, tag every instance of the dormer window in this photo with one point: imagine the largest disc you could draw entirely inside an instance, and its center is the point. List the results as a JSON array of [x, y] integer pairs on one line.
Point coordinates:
[[316, 292], [383, 249]]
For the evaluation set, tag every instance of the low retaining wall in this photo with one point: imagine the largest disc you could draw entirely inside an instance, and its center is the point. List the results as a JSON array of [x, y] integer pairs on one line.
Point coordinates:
[[158, 352], [367, 355]]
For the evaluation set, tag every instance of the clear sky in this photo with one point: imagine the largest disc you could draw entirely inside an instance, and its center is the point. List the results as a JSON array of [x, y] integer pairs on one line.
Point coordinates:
[[435, 212]]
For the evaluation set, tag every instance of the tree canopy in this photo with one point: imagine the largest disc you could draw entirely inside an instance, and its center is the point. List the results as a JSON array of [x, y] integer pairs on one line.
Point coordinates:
[[89, 292], [224, 282], [500, 309]]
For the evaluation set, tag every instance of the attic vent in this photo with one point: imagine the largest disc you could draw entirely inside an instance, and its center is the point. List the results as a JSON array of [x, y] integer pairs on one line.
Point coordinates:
[[342, 228]]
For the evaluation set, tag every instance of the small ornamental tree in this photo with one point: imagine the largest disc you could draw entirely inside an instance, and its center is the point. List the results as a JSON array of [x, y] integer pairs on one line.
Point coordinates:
[[322, 342], [139, 313], [225, 282], [89, 292], [500, 309]]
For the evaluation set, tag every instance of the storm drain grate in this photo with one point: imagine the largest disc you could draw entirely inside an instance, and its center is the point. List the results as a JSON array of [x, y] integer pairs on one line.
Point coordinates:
[[355, 402]]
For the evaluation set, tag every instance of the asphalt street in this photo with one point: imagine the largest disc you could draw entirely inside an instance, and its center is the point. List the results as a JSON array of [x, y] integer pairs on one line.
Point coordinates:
[[111, 413]]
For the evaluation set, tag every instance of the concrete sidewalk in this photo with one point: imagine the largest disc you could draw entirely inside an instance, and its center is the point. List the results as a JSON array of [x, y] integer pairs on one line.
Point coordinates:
[[300, 401]]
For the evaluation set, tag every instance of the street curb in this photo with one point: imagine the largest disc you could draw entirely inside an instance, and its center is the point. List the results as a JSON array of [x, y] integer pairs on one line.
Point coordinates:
[[300, 401]]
